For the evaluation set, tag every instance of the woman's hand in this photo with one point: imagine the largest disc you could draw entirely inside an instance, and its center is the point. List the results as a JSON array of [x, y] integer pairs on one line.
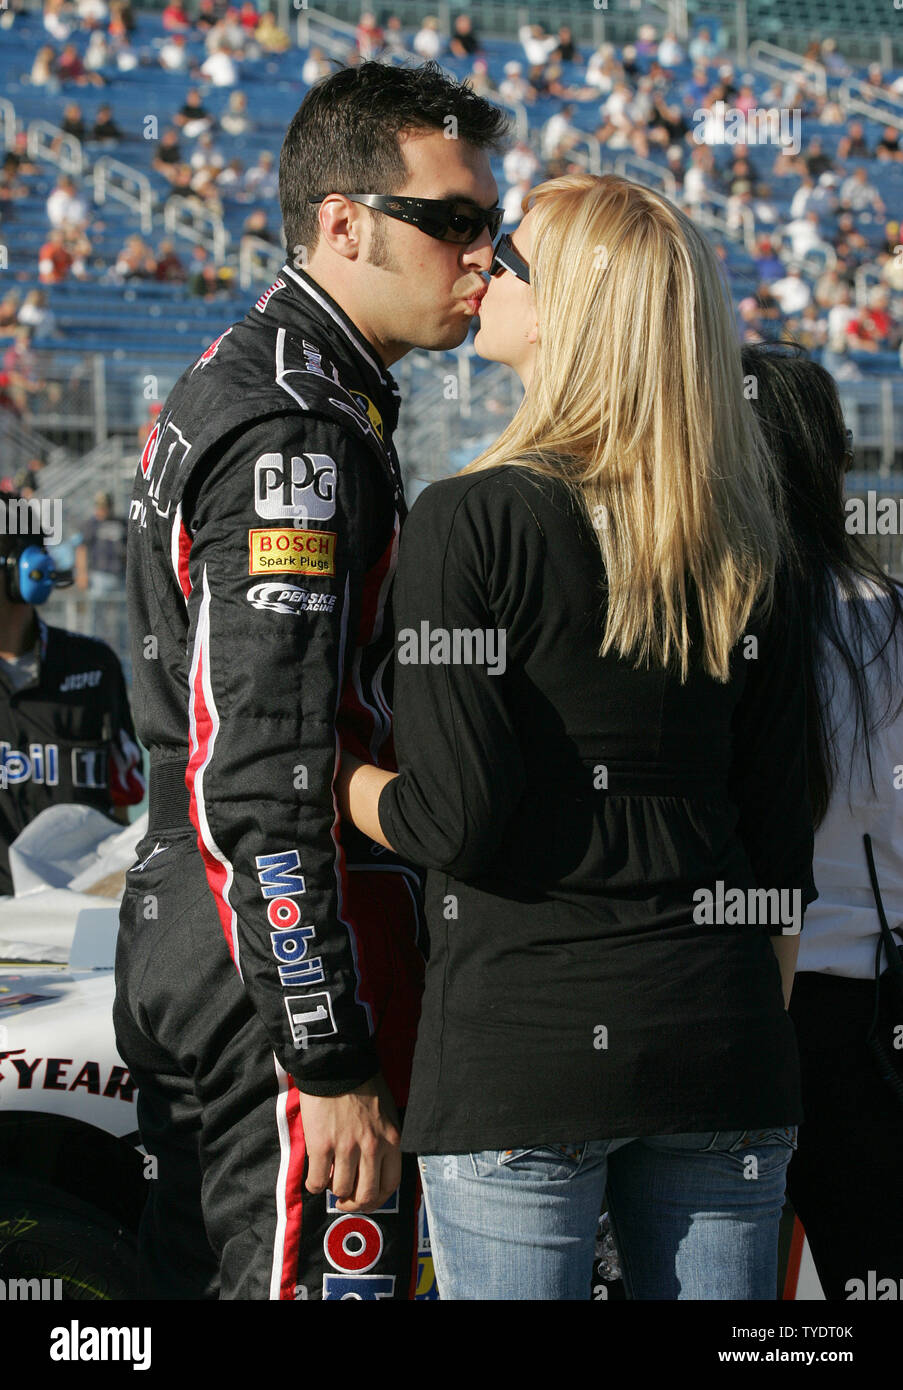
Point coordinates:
[[357, 788]]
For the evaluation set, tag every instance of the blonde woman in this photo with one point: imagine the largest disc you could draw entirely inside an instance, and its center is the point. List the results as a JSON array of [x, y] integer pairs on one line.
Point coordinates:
[[600, 735]]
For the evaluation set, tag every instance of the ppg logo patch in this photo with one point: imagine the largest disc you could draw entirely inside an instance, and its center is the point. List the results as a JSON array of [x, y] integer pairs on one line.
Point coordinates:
[[301, 488]]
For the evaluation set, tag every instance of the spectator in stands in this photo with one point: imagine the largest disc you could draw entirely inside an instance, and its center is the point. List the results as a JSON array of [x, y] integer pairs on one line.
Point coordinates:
[[872, 329], [514, 87], [43, 69], [791, 291], [268, 34], [368, 36], [27, 481], [135, 261], [34, 314], [559, 133], [220, 69], [537, 44], [840, 315], [262, 181], [174, 55], [480, 80], [192, 117], [98, 54], [70, 68], [54, 260], [205, 157], [859, 195], [815, 160], [207, 18], [230, 180], [58, 19], [666, 125], [18, 158], [520, 162], [670, 54], [205, 283], [122, 19], [248, 17], [21, 366], [100, 558], [175, 18], [464, 42], [92, 12], [602, 68], [889, 146], [512, 203], [235, 119], [701, 50], [11, 186], [256, 225], [565, 50], [769, 265], [169, 267], [168, 155], [427, 42], [393, 36], [72, 121], [803, 235], [853, 145], [9, 313], [65, 207], [699, 179], [104, 127], [316, 65]]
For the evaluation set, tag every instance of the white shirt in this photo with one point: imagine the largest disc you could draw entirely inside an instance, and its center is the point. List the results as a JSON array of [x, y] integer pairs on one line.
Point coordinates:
[[838, 318], [555, 130], [520, 164], [800, 201], [803, 236], [511, 203], [62, 207], [859, 195], [174, 57], [428, 43], [537, 50], [841, 930], [220, 70], [792, 293], [670, 53]]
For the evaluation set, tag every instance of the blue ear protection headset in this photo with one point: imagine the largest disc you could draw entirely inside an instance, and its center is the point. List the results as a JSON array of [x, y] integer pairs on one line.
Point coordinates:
[[32, 575]]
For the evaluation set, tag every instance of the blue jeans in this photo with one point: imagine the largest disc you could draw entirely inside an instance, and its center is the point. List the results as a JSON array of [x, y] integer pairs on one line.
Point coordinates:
[[694, 1216]]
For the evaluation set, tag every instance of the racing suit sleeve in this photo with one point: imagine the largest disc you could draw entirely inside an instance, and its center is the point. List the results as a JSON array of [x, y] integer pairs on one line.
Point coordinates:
[[274, 611]]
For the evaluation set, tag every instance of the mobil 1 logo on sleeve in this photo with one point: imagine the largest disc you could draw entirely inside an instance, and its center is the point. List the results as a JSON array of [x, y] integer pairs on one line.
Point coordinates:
[[302, 487]]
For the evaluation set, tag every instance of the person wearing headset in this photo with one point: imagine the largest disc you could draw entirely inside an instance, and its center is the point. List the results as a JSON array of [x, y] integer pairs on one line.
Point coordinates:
[[66, 732]]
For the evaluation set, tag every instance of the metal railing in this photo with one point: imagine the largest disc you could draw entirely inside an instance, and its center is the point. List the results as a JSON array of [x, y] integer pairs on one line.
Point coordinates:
[[185, 218], [258, 260], [113, 179], [872, 102], [8, 118], [69, 155], [769, 58], [647, 172]]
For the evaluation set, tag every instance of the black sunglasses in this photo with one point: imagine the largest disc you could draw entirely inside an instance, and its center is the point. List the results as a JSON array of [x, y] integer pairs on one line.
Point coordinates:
[[506, 258], [446, 219]]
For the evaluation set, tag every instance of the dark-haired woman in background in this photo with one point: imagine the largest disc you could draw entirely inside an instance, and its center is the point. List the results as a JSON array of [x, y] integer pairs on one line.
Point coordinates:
[[845, 1179]]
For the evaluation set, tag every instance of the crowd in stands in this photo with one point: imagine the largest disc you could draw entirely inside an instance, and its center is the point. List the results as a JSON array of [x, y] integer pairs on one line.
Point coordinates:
[[823, 257]]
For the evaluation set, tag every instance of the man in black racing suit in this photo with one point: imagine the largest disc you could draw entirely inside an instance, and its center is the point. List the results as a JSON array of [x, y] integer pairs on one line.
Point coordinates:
[[269, 963]]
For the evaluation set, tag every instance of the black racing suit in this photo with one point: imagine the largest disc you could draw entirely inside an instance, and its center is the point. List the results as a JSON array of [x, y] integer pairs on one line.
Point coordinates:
[[65, 736], [265, 948]]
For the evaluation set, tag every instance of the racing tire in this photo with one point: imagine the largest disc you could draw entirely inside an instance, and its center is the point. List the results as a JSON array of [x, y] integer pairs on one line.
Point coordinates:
[[49, 1234]]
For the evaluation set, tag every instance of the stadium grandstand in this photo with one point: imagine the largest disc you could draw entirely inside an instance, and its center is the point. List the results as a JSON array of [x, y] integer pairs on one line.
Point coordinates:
[[139, 209]]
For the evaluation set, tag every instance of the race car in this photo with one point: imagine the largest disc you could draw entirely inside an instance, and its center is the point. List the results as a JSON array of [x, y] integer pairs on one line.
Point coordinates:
[[73, 1174]]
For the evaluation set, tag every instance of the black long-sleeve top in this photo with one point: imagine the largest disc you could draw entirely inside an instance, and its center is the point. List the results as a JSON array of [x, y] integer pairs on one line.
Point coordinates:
[[568, 808]]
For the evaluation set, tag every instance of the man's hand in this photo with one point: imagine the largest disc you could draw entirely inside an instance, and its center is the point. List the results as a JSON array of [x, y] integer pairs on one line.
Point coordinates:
[[353, 1145]]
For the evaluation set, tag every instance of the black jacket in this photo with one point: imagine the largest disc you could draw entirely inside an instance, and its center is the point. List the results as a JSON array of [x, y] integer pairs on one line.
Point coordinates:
[[577, 815], [263, 534], [65, 737]]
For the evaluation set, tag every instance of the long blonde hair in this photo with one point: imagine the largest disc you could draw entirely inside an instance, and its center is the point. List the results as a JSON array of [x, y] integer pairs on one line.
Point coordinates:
[[637, 402]]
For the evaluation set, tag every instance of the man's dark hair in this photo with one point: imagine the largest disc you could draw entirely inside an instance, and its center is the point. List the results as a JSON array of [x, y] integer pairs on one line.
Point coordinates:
[[344, 136]]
